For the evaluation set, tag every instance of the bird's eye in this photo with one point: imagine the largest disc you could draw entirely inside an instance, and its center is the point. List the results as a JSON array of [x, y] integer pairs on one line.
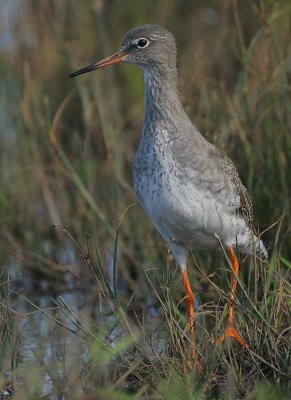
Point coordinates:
[[142, 42]]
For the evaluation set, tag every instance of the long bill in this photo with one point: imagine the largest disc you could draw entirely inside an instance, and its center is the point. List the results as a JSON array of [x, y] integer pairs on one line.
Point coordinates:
[[113, 59]]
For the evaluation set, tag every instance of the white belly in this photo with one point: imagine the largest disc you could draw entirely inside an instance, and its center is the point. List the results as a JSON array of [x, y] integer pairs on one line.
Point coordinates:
[[181, 212]]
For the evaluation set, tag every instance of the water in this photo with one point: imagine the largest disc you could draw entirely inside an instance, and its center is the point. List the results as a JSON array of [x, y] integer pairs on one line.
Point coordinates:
[[54, 330]]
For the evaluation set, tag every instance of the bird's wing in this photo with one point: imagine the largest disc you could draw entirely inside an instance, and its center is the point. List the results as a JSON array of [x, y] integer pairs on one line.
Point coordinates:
[[211, 169], [243, 206]]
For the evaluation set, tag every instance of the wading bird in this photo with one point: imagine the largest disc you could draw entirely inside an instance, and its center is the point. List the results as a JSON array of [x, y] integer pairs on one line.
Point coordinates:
[[189, 188]]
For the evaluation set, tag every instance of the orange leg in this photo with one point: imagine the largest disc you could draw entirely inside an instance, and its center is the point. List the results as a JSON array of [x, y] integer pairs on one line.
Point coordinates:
[[230, 329], [191, 310], [191, 300]]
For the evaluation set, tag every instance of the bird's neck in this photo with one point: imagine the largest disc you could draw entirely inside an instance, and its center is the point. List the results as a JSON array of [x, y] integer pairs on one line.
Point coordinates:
[[162, 102]]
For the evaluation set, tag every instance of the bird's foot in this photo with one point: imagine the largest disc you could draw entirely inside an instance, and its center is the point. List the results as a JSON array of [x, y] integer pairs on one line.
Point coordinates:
[[199, 366], [232, 332], [198, 363]]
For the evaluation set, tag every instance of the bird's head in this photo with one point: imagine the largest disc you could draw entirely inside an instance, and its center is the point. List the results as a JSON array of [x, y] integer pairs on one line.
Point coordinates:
[[148, 46]]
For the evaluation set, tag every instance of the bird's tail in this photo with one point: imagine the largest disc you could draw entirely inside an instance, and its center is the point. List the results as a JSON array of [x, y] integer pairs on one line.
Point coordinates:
[[252, 245], [260, 249]]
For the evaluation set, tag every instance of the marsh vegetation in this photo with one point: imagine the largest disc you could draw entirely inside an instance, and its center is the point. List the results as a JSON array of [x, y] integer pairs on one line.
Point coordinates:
[[91, 300]]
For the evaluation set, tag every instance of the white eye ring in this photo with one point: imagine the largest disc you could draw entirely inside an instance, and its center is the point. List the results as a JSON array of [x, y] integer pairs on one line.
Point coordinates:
[[141, 43]]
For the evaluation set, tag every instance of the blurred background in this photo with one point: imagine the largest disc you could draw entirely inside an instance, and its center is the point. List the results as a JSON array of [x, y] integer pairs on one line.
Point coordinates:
[[67, 145], [67, 206]]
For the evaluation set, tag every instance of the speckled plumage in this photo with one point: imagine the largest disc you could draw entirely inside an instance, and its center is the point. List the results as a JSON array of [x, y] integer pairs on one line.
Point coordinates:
[[188, 187]]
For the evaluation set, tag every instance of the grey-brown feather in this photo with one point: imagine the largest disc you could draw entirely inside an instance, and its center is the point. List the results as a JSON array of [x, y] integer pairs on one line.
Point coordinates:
[[173, 152]]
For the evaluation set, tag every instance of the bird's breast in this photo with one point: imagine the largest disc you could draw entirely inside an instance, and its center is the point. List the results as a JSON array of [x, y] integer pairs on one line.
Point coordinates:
[[153, 172], [178, 206], [163, 191]]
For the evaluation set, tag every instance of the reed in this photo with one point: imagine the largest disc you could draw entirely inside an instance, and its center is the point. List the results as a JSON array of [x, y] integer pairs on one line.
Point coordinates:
[[68, 212]]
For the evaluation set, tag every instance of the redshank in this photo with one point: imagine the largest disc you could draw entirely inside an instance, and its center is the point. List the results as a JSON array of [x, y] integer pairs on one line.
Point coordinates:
[[188, 187]]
